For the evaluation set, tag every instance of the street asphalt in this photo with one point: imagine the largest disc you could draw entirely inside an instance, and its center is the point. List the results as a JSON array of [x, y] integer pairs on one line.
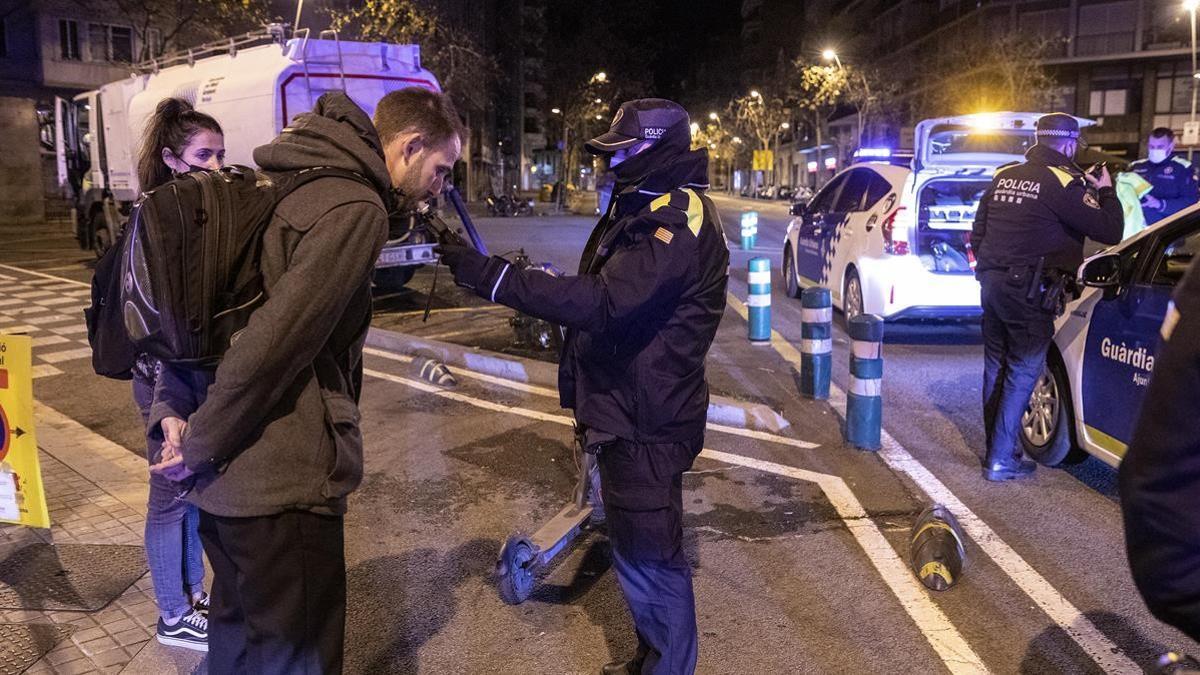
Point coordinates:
[[798, 542]]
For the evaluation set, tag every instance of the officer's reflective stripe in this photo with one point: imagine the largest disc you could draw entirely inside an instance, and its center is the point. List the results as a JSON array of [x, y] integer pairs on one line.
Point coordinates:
[[760, 277], [816, 346], [1004, 168], [498, 280], [1182, 161], [695, 212], [865, 349], [758, 301], [1062, 176], [816, 315], [1169, 321], [660, 202], [866, 387]]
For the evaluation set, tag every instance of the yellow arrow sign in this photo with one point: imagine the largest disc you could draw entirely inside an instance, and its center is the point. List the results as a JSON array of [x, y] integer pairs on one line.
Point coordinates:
[[22, 495]]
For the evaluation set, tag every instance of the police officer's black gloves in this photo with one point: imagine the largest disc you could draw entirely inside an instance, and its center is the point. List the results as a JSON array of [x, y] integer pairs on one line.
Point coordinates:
[[472, 269]]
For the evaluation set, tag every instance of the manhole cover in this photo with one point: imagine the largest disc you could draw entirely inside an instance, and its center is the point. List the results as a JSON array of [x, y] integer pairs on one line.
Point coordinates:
[[77, 577], [23, 644]]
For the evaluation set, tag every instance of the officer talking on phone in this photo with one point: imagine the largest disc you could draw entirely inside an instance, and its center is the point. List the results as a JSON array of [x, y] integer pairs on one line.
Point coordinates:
[[640, 317], [1028, 242]]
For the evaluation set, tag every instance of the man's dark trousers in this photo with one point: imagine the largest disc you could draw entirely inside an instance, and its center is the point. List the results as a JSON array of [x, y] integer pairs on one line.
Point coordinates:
[[278, 595], [1016, 334], [642, 485]]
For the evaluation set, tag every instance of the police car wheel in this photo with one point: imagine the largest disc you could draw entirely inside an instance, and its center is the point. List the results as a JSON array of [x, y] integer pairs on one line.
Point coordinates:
[[852, 299], [791, 282], [1046, 423]]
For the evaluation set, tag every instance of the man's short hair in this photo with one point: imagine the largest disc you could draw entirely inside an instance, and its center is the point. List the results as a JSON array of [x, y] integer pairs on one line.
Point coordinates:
[[417, 109], [1163, 132]]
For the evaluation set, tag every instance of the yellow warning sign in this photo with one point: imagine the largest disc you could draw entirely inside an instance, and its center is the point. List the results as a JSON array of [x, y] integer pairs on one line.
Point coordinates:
[[22, 497]]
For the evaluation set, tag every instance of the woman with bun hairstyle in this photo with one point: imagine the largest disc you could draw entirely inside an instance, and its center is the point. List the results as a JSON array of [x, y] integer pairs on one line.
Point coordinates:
[[178, 139]]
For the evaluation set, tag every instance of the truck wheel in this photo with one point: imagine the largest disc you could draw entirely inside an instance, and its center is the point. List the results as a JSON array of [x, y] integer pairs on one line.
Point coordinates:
[[1046, 424], [514, 570], [791, 281], [392, 278]]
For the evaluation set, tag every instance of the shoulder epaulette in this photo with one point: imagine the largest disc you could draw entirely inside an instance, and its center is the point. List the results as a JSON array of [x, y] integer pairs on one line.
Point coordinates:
[[686, 201], [1182, 161]]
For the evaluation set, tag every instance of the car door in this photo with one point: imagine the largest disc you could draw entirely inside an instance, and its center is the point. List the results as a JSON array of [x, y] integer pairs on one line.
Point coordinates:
[[1123, 336], [813, 237], [847, 225]]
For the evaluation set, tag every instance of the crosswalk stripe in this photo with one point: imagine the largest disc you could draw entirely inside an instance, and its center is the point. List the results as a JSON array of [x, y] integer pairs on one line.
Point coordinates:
[[47, 340], [68, 330], [49, 318], [69, 355]]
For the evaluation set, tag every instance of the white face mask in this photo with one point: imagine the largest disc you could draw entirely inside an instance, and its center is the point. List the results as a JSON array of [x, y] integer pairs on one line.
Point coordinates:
[[1157, 155]]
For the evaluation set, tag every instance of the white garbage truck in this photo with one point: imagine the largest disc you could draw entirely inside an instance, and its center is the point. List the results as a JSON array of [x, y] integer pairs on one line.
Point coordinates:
[[253, 84]]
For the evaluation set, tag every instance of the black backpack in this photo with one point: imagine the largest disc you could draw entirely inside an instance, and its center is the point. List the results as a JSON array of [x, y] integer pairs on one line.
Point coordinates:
[[113, 354], [190, 260]]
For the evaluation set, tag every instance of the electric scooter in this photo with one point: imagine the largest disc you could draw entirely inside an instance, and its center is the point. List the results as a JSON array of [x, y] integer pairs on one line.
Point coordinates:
[[523, 557]]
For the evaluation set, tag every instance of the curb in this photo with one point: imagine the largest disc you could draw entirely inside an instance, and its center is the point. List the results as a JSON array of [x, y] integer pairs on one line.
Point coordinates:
[[721, 409]]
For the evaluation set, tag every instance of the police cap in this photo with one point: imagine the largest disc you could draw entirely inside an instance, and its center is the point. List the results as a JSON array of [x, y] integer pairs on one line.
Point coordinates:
[[643, 119], [1057, 125]]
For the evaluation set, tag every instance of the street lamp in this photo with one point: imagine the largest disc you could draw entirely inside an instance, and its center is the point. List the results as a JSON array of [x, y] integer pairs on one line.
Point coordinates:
[[830, 55], [695, 128], [785, 126], [713, 116], [1190, 6], [754, 94], [600, 77], [555, 111]]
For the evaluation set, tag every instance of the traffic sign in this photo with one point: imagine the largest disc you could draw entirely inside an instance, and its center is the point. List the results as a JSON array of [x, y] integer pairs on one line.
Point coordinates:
[[1191, 133], [22, 495]]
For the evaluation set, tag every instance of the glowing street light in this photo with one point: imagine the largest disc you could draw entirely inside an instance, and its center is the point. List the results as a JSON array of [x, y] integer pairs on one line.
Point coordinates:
[[713, 116], [830, 55], [695, 128], [555, 111], [599, 117], [600, 77], [754, 94], [596, 101], [737, 139], [785, 126]]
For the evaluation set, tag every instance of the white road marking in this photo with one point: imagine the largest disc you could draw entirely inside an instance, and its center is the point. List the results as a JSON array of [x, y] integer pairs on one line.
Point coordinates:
[[68, 330], [44, 370], [1096, 644], [46, 340], [10, 302], [5, 277], [945, 639], [18, 330], [42, 319], [60, 300], [553, 393], [68, 355], [26, 295], [22, 270]]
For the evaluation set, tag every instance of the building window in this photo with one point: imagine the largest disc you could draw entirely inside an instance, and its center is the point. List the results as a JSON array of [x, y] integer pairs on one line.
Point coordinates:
[[1051, 25], [154, 44], [1108, 102], [1173, 93], [110, 43], [68, 40], [1106, 28]]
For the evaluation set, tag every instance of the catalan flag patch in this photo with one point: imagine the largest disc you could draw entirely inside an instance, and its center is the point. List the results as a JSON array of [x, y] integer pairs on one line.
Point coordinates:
[[664, 235]]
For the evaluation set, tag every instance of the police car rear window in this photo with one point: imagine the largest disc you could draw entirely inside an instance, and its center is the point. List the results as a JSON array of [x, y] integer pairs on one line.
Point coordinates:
[[954, 139]]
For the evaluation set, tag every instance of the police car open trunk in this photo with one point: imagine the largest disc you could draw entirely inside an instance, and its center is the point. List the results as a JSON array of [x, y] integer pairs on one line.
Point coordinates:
[[953, 167]]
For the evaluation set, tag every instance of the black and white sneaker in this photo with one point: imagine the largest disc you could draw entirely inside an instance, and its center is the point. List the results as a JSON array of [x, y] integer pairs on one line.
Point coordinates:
[[202, 604], [190, 632]]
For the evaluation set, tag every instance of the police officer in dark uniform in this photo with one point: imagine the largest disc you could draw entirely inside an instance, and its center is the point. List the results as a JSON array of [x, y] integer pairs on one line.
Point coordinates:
[[640, 317], [1173, 178], [1028, 241]]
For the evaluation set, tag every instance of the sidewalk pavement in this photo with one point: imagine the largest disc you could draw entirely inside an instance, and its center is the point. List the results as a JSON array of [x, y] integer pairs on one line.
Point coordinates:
[[96, 492]]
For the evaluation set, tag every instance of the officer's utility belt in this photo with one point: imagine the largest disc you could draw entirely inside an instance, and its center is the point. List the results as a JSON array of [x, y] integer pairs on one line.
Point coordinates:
[[1048, 288]]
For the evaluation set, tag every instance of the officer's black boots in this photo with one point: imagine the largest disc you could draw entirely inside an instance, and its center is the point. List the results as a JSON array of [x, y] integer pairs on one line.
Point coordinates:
[[1000, 471]]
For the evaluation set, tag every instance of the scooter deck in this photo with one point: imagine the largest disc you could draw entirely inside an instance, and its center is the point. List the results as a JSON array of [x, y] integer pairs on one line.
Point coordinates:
[[559, 531]]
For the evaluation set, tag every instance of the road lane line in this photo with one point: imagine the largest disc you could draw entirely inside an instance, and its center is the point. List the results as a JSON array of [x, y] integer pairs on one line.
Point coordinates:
[[553, 393], [22, 270], [943, 637], [1103, 651]]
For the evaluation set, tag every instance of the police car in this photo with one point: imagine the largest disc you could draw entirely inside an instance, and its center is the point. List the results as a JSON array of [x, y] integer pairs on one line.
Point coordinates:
[[1104, 345], [891, 239]]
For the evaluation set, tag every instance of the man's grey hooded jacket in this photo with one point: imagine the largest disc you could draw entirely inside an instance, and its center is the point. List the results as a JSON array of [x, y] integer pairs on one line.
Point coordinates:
[[271, 435]]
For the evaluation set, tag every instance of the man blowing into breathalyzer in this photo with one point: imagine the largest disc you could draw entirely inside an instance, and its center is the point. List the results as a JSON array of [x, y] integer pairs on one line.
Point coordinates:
[[640, 317]]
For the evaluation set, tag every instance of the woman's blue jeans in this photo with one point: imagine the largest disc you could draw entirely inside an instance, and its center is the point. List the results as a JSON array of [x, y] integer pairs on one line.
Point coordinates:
[[173, 548]]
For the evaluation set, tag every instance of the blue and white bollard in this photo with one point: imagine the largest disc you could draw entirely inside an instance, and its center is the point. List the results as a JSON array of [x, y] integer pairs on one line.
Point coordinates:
[[759, 300], [816, 345], [749, 229], [864, 401]]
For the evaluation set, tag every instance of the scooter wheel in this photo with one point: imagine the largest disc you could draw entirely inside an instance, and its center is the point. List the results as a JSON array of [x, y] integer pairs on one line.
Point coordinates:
[[514, 570]]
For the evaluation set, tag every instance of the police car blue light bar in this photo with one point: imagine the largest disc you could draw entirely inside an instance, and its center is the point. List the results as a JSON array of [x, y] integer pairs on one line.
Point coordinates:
[[879, 153]]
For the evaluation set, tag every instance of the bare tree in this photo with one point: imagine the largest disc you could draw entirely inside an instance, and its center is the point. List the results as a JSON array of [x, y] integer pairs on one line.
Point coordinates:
[[185, 23], [464, 70], [975, 75]]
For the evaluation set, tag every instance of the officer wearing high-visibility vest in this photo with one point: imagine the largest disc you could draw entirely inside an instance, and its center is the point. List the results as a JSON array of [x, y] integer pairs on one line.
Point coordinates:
[[641, 315], [1173, 178], [1028, 242]]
